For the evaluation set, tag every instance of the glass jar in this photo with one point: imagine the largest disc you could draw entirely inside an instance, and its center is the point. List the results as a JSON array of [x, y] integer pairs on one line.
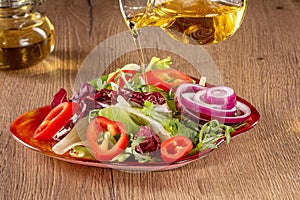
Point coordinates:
[[26, 36]]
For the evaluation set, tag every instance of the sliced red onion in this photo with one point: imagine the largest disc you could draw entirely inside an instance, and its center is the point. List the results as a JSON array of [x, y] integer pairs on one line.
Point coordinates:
[[184, 88], [204, 108], [243, 112], [188, 87], [190, 100], [221, 95], [242, 109], [199, 98]]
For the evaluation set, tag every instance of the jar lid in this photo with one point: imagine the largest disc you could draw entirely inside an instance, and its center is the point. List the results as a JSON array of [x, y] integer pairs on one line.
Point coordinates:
[[18, 3]]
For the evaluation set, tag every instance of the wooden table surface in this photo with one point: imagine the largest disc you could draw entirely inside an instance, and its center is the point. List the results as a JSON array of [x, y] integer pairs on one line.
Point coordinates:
[[261, 62]]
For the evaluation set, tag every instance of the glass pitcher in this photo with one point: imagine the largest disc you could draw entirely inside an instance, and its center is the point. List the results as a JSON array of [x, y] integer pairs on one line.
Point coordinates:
[[190, 21], [26, 36]]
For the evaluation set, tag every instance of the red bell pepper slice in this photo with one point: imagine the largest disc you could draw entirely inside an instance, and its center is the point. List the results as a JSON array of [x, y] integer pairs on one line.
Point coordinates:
[[166, 79], [55, 120], [116, 78], [99, 134], [175, 148]]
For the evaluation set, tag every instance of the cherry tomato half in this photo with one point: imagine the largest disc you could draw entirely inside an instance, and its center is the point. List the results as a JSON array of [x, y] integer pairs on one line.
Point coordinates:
[[25, 125], [101, 138], [55, 120], [166, 79], [175, 148]]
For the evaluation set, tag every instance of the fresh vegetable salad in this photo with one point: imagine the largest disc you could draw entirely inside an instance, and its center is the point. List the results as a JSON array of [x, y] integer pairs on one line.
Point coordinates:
[[161, 115]]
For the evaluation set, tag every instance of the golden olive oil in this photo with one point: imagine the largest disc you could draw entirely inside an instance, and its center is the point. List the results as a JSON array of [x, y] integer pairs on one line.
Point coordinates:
[[192, 21], [25, 39]]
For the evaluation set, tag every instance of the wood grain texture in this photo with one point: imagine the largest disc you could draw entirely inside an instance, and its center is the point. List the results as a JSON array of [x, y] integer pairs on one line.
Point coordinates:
[[261, 62]]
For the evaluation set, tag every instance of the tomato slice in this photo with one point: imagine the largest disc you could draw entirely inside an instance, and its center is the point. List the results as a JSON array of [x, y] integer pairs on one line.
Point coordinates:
[[175, 148], [116, 77], [55, 120], [166, 79], [24, 126], [98, 134]]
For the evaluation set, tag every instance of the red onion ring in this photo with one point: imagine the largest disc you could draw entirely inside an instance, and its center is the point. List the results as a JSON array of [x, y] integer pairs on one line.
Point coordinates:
[[221, 95], [242, 108], [202, 107], [199, 97], [184, 88], [188, 87]]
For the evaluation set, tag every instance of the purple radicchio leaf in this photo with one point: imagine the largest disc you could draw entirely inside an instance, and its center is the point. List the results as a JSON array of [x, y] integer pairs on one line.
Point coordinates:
[[59, 97], [151, 142], [97, 100], [85, 90], [138, 98], [154, 97], [89, 99]]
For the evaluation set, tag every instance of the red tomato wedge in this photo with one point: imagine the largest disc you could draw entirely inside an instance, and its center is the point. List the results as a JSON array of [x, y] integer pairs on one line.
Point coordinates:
[[166, 79], [30, 121], [55, 120], [99, 134], [175, 148], [116, 77]]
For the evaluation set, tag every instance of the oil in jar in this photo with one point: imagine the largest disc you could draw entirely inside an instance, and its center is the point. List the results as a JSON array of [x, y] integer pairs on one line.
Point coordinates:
[[26, 37]]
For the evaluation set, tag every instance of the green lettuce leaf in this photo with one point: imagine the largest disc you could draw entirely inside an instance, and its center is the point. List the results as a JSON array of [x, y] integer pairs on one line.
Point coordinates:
[[157, 63], [172, 125], [120, 115]]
